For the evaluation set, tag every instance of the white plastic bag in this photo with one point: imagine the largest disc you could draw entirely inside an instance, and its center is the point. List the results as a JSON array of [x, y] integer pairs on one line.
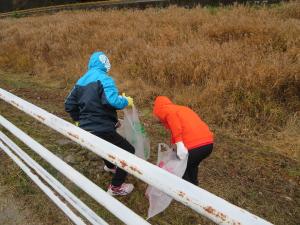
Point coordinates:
[[134, 132], [167, 160]]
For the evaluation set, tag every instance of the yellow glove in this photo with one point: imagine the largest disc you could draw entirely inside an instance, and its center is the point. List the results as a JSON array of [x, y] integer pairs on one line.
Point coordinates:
[[129, 99], [77, 123]]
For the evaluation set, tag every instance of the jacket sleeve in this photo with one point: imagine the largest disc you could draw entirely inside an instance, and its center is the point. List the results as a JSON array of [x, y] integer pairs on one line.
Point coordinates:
[[71, 105], [174, 124], [112, 96]]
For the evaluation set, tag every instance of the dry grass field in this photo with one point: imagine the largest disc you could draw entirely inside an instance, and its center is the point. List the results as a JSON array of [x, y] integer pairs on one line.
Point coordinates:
[[238, 67]]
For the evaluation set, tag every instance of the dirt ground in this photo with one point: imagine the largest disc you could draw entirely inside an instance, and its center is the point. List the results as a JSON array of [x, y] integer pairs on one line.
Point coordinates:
[[13, 211]]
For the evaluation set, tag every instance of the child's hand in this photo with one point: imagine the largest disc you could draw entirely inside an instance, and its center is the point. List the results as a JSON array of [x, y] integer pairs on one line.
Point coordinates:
[[129, 99], [182, 151]]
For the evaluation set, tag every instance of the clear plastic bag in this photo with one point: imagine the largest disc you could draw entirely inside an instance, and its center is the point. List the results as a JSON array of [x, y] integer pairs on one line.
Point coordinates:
[[134, 132], [167, 160]]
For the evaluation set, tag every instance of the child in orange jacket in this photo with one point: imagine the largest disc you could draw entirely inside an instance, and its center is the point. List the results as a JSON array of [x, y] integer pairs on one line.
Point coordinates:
[[189, 133]]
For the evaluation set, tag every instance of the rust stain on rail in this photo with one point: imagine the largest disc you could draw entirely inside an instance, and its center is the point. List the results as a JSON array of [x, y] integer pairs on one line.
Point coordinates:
[[40, 117], [181, 194], [135, 169], [111, 156], [214, 212], [73, 135], [123, 163], [14, 103], [238, 223]]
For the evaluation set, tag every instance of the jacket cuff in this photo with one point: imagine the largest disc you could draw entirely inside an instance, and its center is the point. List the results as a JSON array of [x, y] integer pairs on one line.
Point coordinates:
[[177, 139]]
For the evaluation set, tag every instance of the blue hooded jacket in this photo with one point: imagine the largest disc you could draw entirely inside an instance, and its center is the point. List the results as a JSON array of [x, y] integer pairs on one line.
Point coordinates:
[[95, 98]]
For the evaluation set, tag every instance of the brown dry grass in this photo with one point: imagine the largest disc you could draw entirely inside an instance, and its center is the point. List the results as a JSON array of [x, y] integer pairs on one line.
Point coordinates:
[[237, 66]]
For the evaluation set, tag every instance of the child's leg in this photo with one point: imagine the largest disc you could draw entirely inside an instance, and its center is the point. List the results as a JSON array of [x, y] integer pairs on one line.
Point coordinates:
[[186, 175], [193, 174], [195, 157], [191, 171], [120, 174], [119, 141], [109, 164]]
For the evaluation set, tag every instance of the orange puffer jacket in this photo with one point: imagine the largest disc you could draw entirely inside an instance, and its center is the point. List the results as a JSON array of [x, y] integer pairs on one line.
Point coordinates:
[[184, 123]]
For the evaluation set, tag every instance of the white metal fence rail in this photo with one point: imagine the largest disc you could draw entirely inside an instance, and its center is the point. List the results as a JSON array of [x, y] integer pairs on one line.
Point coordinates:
[[43, 187], [200, 200], [92, 217], [110, 203]]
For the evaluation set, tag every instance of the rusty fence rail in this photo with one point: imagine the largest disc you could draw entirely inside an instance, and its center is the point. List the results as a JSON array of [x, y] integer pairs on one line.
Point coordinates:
[[111, 204], [203, 202], [72, 216], [55, 185]]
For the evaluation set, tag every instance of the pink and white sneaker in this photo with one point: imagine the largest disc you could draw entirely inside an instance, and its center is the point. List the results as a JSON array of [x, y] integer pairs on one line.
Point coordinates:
[[124, 189], [113, 170]]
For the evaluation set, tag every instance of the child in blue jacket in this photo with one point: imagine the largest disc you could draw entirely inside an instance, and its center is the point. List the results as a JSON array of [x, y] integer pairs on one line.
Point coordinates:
[[93, 103]]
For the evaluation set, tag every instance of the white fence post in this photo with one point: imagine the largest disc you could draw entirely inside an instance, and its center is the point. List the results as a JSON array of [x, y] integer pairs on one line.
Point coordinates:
[[203, 202]]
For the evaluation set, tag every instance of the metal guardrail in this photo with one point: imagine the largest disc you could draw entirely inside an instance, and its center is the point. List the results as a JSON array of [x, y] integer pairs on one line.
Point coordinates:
[[200, 200], [141, 4], [76, 203], [111, 204], [74, 218]]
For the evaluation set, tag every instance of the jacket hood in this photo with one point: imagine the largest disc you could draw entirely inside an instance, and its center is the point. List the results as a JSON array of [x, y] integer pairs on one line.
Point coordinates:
[[160, 104], [99, 60]]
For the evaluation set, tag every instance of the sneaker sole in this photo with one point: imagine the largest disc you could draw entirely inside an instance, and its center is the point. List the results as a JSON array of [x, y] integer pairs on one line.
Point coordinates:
[[118, 194]]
